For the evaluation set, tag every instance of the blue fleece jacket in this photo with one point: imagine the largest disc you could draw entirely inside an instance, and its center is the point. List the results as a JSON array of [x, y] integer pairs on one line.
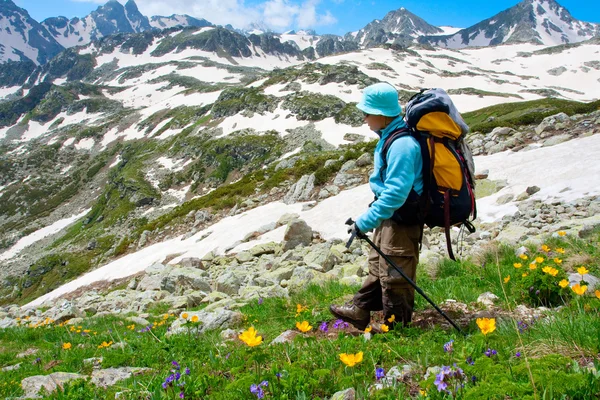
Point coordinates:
[[404, 171]]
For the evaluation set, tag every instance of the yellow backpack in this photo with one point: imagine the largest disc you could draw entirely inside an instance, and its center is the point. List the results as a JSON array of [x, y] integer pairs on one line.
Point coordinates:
[[448, 197]]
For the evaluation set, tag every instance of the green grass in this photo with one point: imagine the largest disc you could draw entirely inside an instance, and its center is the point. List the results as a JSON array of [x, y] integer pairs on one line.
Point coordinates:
[[554, 352], [524, 113]]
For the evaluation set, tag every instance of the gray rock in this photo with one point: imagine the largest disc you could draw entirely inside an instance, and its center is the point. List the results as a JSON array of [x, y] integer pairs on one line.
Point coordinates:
[[228, 283], [109, 377], [7, 322], [554, 140], [208, 320], [33, 384], [532, 190], [285, 337], [192, 262], [593, 282], [265, 248], [180, 280], [348, 394], [364, 160], [488, 299], [301, 190], [505, 198], [297, 233]]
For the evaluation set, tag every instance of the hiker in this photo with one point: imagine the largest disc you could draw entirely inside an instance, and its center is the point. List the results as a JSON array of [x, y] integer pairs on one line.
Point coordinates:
[[394, 215]]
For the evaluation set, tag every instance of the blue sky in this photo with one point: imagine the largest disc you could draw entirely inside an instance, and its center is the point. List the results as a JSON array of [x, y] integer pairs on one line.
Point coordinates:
[[325, 16]]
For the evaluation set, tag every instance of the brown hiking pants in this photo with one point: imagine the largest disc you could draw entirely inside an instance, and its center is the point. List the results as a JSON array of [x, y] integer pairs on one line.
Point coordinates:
[[385, 289]]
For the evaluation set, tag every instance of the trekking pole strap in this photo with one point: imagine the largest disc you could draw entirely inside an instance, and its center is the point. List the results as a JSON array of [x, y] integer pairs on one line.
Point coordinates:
[[413, 284]]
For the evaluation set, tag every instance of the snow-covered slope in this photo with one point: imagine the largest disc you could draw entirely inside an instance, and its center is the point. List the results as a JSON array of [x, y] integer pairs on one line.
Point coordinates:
[[543, 167]]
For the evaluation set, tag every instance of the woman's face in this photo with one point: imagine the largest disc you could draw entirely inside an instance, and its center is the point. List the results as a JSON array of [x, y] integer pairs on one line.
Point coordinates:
[[375, 122]]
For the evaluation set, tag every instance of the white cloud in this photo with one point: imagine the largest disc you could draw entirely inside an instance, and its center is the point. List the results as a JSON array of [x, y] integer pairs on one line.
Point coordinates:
[[275, 14]]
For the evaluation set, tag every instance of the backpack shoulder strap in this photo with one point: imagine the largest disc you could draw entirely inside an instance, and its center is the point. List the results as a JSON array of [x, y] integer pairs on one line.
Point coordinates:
[[387, 144]]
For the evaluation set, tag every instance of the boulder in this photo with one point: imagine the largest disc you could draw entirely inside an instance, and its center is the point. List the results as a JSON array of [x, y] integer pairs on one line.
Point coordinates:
[[297, 233], [109, 377], [33, 384]]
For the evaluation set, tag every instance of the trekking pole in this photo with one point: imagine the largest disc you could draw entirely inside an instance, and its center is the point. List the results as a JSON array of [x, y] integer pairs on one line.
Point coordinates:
[[361, 235]]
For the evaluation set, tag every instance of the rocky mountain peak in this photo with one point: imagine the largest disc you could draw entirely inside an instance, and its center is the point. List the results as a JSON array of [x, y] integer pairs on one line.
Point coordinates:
[[398, 26], [23, 38], [542, 22]]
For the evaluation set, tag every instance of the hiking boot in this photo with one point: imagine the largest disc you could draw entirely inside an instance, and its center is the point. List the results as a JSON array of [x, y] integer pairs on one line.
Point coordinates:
[[352, 314]]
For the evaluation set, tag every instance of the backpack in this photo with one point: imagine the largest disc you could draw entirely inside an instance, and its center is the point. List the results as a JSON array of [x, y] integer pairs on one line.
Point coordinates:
[[448, 197]]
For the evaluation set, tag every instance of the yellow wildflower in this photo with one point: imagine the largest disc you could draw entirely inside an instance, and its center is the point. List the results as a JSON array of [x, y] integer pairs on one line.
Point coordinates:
[[582, 270], [564, 283], [579, 289], [368, 328], [507, 279], [539, 260], [166, 316], [560, 250], [392, 318], [550, 271], [423, 392], [194, 318], [300, 308], [557, 260], [532, 266], [66, 346], [351, 359], [304, 326], [184, 315], [487, 325], [385, 328], [545, 248], [518, 265], [525, 274], [249, 337], [523, 257], [597, 293], [562, 233]]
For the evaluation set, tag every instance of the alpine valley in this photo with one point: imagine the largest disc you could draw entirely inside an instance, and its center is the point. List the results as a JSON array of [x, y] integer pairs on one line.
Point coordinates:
[[172, 160]]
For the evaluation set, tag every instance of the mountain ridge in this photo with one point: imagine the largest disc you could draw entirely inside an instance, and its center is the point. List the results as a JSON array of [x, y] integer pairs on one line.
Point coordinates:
[[544, 22]]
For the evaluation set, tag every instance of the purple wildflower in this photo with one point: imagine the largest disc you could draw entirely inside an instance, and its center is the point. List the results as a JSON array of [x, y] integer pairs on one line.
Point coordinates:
[[176, 365], [522, 326], [260, 301], [518, 354], [187, 371], [470, 360], [473, 379], [452, 377], [181, 395], [37, 361], [379, 373], [448, 347], [490, 352], [177, 376], [257, 390], [164, 384], [264, 383], [340, 324], [227, 356], [278, 375], [323, 327]]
